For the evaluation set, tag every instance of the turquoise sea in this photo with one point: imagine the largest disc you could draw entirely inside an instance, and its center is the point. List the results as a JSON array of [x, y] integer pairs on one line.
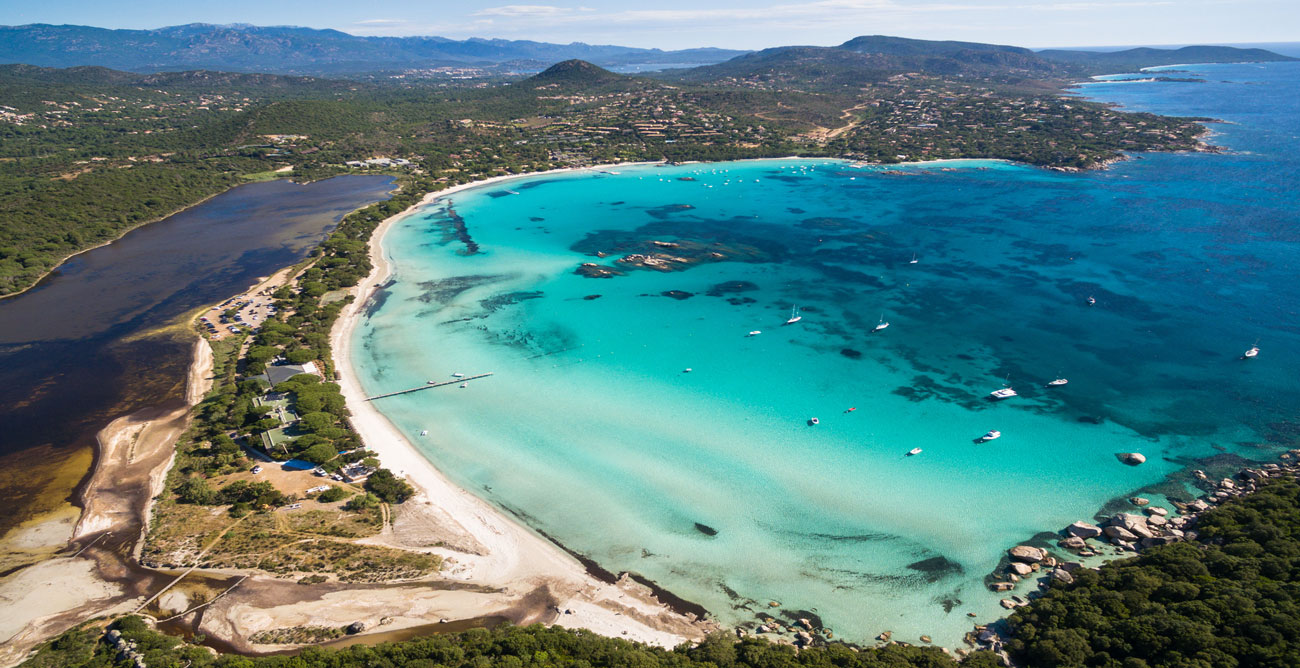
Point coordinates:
[[713, 484]]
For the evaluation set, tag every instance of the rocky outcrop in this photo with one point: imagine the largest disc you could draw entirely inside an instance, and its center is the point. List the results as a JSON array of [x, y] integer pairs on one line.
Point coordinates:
[[1083, 530], [1074, 543], [1026, 554], [1131, 458], [1120, 533]]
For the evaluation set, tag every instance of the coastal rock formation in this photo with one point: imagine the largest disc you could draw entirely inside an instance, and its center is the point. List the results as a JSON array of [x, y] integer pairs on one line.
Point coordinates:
[[1118, 533], [1027, 554], [1020, 569], [1073, 543], [1083, 530], [593, 270], [1063, 576], [1131, 458], [1136, 524]]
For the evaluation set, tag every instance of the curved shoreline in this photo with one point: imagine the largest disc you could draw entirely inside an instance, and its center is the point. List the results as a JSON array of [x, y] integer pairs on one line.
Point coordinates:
[[516, 557]]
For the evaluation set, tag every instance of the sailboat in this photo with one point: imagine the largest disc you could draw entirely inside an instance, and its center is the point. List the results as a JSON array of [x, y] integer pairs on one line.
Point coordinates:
[[1254, 350], [913, 259], [1005, 393], [1058, 382], [880, 325], [794, 316]]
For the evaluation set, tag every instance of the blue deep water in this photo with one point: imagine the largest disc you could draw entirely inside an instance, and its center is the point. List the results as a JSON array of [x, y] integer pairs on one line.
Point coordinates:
[[713, 483]]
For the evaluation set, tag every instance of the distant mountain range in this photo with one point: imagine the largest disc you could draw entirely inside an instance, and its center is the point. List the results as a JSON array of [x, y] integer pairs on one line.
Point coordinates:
[[873, 58], [292, 50], [308, 51], [876, 58], [1133, 59]]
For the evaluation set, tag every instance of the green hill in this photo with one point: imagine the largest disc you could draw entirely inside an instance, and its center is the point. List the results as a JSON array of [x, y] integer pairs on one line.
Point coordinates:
[[574, 72]]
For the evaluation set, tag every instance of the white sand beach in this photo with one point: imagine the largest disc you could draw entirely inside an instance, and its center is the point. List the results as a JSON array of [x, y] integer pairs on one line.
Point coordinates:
[[512, 558]]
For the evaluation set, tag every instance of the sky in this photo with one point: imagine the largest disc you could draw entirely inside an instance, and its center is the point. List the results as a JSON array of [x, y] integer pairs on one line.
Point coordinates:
[[740, 24]]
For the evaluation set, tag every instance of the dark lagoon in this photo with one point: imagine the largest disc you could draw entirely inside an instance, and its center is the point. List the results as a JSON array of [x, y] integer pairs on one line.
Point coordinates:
[[104, 335]]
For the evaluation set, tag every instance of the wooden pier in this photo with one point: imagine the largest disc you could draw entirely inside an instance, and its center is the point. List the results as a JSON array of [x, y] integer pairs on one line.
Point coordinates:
[[430, 386]]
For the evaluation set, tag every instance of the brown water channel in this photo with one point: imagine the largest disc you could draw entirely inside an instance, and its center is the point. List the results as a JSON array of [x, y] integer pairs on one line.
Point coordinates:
[[91, 342]]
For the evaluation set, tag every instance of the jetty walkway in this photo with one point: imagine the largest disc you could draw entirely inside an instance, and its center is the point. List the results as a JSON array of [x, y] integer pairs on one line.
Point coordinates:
[[430, 386]]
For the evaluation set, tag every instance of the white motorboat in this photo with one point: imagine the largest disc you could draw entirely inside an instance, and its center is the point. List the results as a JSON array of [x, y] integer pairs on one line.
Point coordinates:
[[1058, 382], [424, 432], [754, 333], [1254, 350], [1092, 301], [1004, 393], [991, 435], [457, 375], [913, 451], [794, 316], [814, 421], [464, 385]]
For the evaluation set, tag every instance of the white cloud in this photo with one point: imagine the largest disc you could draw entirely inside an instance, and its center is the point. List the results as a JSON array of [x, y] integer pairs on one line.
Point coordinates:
[[524, 11]]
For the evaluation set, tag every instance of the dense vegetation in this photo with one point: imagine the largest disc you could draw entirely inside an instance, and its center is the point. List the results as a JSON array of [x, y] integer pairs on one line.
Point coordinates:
[[504, 647], [1229, 598], [88, 153]]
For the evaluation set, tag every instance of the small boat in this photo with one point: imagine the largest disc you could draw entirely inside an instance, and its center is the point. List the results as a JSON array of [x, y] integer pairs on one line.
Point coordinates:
[[912, 452], [433, 382], [686, 370], [991, 435], [464, 385], [794, 316], [512, 192], [754, 333], [1092, 301], [913, 259], [1004, 393], [424, 432], [812, 422], [1254, 350], [880, 325], [457, 375], [1058, 382], [850, 410]]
